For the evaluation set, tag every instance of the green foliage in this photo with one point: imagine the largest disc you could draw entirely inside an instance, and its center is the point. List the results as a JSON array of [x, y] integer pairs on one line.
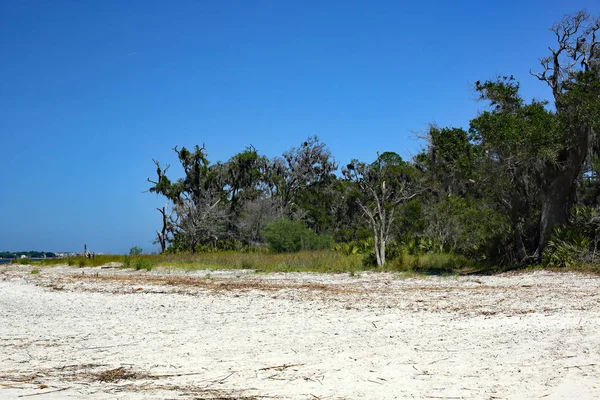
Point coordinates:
[[575, 244], [566, 247], [135, 251], [142, 263], [463, 226], [21, 261], [489, 194], [286, 236], [355, 247], [431, 263], [35, 271], [261, 261]]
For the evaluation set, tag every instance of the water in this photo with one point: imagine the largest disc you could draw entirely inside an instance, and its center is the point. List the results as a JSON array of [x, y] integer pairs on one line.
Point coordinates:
[[8, 260]]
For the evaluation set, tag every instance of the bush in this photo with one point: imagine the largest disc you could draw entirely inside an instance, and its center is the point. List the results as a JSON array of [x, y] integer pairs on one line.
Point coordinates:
[[287, 236], [140, 263], [431, 263], [464, 226], [566, 248], [21, 261], [135, 251]]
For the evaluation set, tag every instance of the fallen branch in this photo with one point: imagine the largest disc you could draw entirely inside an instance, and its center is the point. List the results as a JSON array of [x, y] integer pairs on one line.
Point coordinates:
[[175, 375], [280, 367], [49, 391], [582, 365], [219, 380]]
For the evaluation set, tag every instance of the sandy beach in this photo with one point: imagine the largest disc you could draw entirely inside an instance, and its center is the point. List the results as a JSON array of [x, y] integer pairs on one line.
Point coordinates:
[[110, 333]]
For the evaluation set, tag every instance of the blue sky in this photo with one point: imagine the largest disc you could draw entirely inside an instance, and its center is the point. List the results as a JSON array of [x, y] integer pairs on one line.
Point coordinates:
[[91, 91]]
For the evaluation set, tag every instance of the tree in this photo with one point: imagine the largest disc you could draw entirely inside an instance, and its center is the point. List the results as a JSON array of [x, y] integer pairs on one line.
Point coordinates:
[[572, 71], [135, 251], [451, 160], [384, 185], [245, 172], [197, 200], [517, 141], [163, 186], [300, 168], [202, 221]]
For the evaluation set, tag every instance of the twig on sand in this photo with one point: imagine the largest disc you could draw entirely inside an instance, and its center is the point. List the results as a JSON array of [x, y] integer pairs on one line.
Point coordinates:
[[174, 375], [219, 380], [441, 359], [280, 367], [582, 365], [49, 391], [107, 347]]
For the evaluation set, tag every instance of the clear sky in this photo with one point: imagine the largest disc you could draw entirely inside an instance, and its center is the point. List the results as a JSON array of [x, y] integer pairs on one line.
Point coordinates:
[[91, 91]]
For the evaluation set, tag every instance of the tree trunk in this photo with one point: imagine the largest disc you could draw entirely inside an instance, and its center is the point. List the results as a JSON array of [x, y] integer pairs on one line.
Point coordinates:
[[557, 194], [376, 247], [162, 241], [382, 253]]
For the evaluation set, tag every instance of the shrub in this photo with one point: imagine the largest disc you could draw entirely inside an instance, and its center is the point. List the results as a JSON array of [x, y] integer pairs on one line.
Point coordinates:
[[464, 226], [369, 259], [135, 251], [431, 263], [247, 264], [21, 261], [566, 248], [140, 263], [287, 236]]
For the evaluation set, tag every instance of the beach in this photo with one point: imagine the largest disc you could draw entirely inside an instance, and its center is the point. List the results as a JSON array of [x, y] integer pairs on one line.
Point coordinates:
[[107, 332]]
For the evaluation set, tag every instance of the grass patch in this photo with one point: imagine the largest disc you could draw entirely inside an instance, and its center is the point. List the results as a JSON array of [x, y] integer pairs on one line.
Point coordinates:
[[324, 261], [21, 261], [115, 375], [303, 261], [142, 263], [431, 264], [97, 261], [35, 271]]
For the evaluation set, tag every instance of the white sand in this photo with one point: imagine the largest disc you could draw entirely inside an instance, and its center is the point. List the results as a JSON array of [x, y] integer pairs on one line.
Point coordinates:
[[238, 335]]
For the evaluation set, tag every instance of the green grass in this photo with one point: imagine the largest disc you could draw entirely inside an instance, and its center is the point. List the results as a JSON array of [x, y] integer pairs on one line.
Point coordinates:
[[304, 261], [82, 261], [431, 264], [324, 261]]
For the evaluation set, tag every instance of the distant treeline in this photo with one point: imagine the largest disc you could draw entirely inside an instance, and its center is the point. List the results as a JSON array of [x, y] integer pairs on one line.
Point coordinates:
[[519, 186], [28, 254]]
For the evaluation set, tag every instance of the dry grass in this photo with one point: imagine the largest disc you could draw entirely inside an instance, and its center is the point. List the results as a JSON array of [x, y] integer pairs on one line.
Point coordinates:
[[304, 261], [211, 284], [115, 375]]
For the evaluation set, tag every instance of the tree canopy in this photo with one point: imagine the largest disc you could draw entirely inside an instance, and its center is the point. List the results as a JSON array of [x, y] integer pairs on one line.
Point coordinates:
[[518, 186]]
